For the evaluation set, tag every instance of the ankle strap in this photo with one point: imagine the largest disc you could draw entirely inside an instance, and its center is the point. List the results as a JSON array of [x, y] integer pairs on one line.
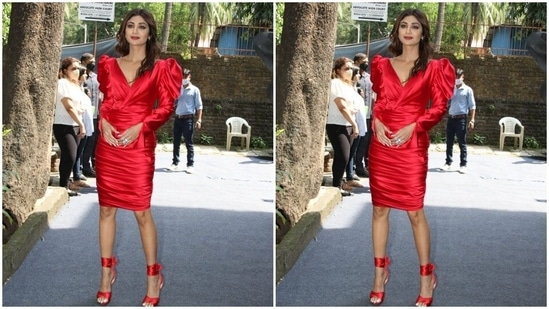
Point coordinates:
[[381, 262], [426, 270], [153, 270], [108, 262]]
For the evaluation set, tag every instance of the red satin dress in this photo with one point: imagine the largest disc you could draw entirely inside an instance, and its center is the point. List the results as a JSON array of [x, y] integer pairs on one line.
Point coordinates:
[[398, 174], [125, 174]]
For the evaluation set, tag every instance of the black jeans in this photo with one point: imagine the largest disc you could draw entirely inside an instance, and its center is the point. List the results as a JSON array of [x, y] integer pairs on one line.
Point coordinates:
[[341, 140], [456, 127], [362, 150], [88, 157], [185, 127], [76, 169], [67, 139]]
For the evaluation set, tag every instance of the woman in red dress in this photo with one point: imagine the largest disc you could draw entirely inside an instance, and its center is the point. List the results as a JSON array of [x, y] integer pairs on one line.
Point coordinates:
[[125, 154], [412, 96]]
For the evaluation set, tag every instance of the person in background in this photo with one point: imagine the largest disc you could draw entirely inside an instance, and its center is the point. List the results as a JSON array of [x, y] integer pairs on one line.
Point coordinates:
[[88, 157], [360, 118], [79, 180], [361, 157], [139, 93], [412, 96], [341, 126], [188, 106], [68, 127], [461, 104]]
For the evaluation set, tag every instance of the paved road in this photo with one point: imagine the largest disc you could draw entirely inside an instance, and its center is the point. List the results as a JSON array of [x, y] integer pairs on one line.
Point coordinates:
[[215, 230], [489, 241]]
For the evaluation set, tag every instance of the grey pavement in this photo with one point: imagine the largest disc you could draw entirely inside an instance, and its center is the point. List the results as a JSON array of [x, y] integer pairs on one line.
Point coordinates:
[[489, 240], [215, 231]]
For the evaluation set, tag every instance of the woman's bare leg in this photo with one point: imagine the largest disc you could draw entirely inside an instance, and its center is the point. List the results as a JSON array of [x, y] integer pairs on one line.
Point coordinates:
[[380, 235], [422, 238], [147, 229], [107, 232]]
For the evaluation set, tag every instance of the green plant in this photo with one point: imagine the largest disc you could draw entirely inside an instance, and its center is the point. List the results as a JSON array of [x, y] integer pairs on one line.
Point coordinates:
[[531, 142], [479, 139], [438, 138], [206, 139], [258, 142], [164, 138], [218, 108], [491, 108]]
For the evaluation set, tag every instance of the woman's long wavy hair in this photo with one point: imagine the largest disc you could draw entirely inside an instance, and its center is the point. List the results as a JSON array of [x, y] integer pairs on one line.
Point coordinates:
[[152, 48], [425, 49]]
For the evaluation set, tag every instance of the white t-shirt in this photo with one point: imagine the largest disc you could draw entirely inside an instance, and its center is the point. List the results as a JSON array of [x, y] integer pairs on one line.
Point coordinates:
[[66, 89], [339, 89], [360, 116], [87, 116]]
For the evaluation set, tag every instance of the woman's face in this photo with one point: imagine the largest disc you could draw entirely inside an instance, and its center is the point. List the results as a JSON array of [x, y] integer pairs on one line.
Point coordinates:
[[346, 71], [410, 31], [137, 31], [73, 71]]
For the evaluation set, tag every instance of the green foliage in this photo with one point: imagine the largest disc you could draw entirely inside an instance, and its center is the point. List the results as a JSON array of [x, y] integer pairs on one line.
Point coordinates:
[[218, 108], [530, 142], [258, 142], [279, 21], [6, 12], [479, 139], [206, 139], [438, 138], [164, 138], [528, 13]]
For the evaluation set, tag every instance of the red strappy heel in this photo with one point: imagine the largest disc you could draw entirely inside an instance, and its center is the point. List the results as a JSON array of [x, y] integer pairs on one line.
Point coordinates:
[[153, 270], [110, 263], [426, 270], [381, 262]]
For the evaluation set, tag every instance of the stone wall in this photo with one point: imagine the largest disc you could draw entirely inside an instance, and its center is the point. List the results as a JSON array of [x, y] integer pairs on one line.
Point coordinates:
[[230, 86], [503, 86]]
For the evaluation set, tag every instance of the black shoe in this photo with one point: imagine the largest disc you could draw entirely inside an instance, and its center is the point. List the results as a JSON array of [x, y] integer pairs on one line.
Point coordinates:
[[88, 173], [345, 192], [363, 174]]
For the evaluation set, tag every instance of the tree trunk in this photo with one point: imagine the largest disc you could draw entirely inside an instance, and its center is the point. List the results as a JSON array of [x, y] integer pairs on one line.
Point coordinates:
[[30, 66], [475, 12], [440, 25], [166, 27], [201, 13], [304, 65]]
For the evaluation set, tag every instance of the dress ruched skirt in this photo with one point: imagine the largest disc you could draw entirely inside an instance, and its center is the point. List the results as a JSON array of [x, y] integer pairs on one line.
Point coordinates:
[[124, 176], [397, 176]]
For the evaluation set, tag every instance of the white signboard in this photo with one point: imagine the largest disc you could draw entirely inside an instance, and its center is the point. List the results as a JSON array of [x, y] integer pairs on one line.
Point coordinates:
[[369, 11], [96, 11]]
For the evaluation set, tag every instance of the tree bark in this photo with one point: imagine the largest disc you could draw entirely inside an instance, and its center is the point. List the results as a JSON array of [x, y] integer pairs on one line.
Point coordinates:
[[304, 63], [30, 66], [166, 27], [440, 25]]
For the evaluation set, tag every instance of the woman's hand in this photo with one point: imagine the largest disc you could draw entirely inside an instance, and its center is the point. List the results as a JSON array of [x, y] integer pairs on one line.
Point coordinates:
[[130, 135], [403, 135], [354, 134], [381, 132], [82, 131], [108, 132]]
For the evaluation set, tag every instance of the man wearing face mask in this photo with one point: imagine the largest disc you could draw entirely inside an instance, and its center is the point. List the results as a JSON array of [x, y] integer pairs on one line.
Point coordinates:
[[461, 104], [188, 106], [88, 157]]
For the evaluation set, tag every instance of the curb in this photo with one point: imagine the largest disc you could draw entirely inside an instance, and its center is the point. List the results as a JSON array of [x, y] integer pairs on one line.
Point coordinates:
[[26, 236], [299, 236]]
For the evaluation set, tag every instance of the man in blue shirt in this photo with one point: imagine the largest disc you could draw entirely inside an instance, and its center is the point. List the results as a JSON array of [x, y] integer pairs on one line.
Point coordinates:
[[188, 106], [461, 103]]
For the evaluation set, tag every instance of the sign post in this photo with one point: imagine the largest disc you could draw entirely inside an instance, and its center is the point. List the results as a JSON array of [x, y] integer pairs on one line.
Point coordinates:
[[369, 11], [96, 11]]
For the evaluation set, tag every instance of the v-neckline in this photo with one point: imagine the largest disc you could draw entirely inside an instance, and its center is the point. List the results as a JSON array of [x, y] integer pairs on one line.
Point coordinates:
[[124, 75], [402, 85]]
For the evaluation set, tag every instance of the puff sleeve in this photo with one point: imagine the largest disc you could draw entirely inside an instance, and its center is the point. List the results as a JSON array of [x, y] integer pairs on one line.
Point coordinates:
[[442, 87], [169, 82], [376, 73], [103, 76]]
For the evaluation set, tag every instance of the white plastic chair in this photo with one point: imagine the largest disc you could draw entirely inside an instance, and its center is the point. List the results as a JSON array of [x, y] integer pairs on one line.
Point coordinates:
[[234, 129], [507, 129]]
